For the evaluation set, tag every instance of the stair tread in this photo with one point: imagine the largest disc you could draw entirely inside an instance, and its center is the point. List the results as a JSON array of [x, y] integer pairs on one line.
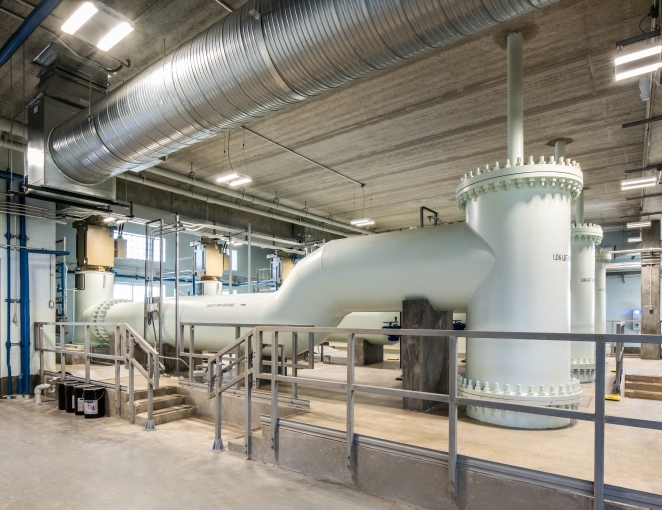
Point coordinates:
[[167, 410], [160, 398], [643, 394], [655, 379]]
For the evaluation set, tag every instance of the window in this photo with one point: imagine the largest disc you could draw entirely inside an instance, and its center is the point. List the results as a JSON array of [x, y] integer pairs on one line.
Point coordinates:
[[234, 260], [132, 292], [135, 246]]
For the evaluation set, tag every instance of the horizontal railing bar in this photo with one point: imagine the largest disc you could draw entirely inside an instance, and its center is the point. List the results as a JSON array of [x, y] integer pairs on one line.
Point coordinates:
[[522, 408], [300, 366], [230, 325], [82, 353], [102, 324], [142, 371], [304, 381], [509, 335], [227, 385], [633, 422], [435, 397]]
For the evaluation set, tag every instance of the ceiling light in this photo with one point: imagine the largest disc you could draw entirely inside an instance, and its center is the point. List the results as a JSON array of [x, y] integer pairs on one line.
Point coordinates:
[[654, 50], [363, 222], [120, 222], [237, 243], [227, 177], [79, 18], [639, 224], [114, 36], [643, 182], [99, 25], [241, 180], [634, 239], [639, 70], [109, 219]]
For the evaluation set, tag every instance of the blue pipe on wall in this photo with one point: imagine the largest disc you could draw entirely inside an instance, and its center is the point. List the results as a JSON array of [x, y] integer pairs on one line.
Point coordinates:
[[8, 342], [29, 25], [26, 330]]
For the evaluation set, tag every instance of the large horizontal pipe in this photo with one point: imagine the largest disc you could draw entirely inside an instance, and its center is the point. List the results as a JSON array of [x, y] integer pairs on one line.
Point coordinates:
[[251, 199], [259, 59], [8, 144], [231, 205]]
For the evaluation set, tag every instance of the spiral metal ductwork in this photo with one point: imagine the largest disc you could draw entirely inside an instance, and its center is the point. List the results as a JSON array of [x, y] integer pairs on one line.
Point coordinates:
[[259, 59]]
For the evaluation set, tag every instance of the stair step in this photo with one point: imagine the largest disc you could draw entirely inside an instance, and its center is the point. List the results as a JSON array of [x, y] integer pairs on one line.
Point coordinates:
[[646, 395], [167, 415], [162, 402], [165, 390], [646, 386], [644, 378]]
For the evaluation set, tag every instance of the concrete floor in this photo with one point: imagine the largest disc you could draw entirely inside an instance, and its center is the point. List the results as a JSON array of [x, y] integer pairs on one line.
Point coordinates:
[[633, 456], [55, 460]]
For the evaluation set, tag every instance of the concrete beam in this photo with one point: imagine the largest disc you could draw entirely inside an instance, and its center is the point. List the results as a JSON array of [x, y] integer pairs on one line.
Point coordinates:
[[650, 290], [366, 353]]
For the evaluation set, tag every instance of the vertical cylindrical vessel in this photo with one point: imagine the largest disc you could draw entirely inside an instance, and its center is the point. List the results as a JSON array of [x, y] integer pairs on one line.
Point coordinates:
[[602, 258], [584, 239], [523, 212], [92, 288]]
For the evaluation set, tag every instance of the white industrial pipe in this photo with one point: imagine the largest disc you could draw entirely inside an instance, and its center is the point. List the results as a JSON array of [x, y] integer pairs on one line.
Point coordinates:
[[444, 264], [368, 320], [37, 392], [515, 98], [582, 290], [602, 259], [92, 287]]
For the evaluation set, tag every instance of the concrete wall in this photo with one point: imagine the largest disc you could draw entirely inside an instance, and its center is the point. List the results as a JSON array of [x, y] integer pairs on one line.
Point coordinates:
[[415, 476]]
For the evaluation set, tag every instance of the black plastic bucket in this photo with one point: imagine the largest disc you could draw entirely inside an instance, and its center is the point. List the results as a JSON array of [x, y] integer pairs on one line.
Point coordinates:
[[61, 402], [95, 402], [70, 404], [78, 399]]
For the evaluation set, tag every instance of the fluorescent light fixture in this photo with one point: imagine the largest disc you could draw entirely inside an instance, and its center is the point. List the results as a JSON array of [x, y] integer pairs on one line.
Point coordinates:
[[363, 222], [120, 222], [634, 239], [79, 18], [241, 180], [643, 182], [237, 243], [109, 219], [639, 70], [654, 50], [114, 36], [639, 224], [227, 177]]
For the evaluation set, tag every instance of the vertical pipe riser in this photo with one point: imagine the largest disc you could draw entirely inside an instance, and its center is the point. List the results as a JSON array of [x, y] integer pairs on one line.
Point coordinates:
[[515, 98]]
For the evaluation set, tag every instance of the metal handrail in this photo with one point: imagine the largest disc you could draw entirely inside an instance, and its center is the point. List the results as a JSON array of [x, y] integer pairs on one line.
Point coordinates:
[[599, 417], [126, 338]]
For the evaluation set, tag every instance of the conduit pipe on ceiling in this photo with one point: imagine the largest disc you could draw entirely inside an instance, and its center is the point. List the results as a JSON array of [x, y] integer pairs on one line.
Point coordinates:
[[32, 21], [231, 205], [343, 276], [257, 60], [251, 199], [16, 146]]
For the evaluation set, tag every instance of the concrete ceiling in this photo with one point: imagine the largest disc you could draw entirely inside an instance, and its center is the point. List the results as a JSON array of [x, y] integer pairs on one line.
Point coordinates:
[[409, 132]]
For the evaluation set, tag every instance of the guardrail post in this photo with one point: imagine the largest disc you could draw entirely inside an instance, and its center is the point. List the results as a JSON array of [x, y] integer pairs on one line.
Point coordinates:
[[40, 341], [258, 358], [87, 354], [218, 440], [311, 351], [237, 334], [295, 355], [63, 359], [132, 411], [452, 417], [117, 369], [350, 401], [249, 366], [274, 390], [599, 447], [191, 350], [149, 426]]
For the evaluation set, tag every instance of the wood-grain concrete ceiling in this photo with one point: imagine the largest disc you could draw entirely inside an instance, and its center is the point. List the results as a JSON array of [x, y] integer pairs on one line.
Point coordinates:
[[410, 131]]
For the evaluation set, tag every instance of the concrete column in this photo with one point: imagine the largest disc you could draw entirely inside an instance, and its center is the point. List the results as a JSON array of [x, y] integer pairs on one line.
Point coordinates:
[[366, 353], [424, 359], [650, 289]]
